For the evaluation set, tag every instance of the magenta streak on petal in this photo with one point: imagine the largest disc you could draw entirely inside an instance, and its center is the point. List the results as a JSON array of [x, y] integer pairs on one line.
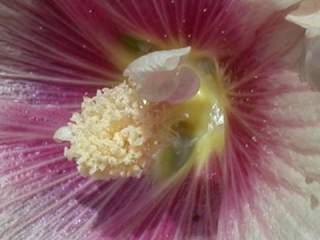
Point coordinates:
[[47, 47], [185, 204], [43, 94], [30, 120]]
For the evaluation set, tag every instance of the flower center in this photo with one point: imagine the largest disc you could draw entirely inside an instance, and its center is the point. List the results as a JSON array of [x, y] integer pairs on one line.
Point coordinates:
[[164, 118], [198, 124]]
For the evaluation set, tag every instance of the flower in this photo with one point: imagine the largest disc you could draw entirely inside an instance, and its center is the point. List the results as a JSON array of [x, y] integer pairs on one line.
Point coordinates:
[[240, 158]]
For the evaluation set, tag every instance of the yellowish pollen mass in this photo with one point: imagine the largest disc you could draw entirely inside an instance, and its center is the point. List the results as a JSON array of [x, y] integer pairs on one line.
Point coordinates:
[[111, 137]]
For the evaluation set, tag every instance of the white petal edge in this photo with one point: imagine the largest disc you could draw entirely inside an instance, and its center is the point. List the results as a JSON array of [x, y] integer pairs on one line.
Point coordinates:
[[283, 4], [307, 15]]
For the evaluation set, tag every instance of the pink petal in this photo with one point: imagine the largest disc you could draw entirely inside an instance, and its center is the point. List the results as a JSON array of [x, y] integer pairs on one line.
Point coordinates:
[[39, 44], [254, 190]]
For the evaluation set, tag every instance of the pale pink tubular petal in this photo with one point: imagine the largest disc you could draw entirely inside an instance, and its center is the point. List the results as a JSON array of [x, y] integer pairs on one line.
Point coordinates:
[[169, 86], [158, 76], [188, 85], [157, 86]]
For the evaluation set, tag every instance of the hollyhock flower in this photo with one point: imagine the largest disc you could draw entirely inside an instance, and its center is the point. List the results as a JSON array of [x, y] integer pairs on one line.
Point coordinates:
[[180, 119]]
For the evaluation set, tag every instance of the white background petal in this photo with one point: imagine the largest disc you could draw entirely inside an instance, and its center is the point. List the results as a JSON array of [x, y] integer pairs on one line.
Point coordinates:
[[307, 15], [283, 4]]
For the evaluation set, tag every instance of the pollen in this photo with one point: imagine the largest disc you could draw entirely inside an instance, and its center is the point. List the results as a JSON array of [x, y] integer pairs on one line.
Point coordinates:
[[165, 117], [112, 135]]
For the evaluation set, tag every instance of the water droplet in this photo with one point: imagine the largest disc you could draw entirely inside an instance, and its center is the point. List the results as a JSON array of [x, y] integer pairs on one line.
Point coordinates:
[[189, 35], [204, 10], [90, 11]]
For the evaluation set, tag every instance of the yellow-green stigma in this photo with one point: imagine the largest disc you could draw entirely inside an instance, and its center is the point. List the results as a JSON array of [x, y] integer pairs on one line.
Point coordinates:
[[165, 117], [199, 127]]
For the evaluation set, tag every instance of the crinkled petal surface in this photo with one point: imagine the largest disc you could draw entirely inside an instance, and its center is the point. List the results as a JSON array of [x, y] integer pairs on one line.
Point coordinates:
[[265, 185]]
